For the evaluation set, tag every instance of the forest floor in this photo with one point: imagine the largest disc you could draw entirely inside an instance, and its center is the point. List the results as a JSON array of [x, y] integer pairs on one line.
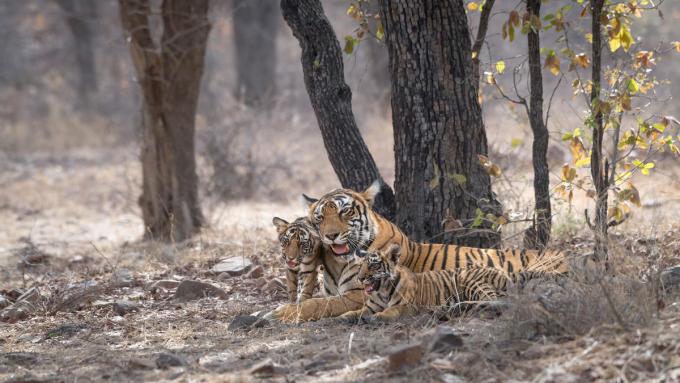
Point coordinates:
[[70, 229]]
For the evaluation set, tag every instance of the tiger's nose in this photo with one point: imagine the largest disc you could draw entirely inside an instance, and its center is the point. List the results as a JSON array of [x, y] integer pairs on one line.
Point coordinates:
[[332, 236]]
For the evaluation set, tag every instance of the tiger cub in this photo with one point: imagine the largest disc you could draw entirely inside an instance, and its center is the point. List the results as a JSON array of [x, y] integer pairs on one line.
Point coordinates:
[[300, 249], [392, 290]]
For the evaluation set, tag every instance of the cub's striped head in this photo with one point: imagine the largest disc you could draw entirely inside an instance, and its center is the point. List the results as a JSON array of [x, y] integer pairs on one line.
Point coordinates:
[[342, 218], [377, 267], [298, 239]]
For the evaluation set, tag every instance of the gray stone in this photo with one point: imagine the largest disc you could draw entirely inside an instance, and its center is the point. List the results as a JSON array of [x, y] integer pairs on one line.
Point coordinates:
[[66, 330], [191, 290], [123, 307], [233, 266], [166, 284], [444, 340], [247, 321], [166, 360], [670, 279], [4, 302], [266, 368]]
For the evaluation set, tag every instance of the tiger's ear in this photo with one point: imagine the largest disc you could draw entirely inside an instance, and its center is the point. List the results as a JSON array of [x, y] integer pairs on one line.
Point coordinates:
[[280, 224], [372, 191], [393, 253], [309, 200]]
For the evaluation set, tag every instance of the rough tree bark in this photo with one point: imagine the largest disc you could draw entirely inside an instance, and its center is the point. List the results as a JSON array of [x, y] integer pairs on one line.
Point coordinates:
[[169, 75], [598, 170], [331, 99], [80, 14], [538, 236], [438, 128], [378, 61], [256, 23]]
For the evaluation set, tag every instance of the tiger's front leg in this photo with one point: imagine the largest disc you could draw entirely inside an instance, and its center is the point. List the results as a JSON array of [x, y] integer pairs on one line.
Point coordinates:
[[318, 308], [292, 281], [309, 281], [393, 313]]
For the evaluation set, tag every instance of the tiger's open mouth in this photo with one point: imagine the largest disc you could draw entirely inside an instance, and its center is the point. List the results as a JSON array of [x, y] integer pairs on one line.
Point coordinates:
[[371, 285], [292, 263], [340, 249]]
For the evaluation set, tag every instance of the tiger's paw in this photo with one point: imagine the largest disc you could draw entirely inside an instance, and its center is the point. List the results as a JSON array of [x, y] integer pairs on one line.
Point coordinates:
[[352, 318], [284, 313]]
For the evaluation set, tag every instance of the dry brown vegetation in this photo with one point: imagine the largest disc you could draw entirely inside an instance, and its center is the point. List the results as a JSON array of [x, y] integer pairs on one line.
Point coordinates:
[[566, 330]]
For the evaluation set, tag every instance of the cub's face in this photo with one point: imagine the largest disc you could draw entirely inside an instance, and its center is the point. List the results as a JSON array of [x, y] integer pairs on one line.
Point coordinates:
[[298, 239], [377, 267], [342, 220]]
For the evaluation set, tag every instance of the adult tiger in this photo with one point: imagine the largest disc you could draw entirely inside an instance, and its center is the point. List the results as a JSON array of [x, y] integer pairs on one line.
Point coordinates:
[[303, 252], [392, 290], [346, 223]]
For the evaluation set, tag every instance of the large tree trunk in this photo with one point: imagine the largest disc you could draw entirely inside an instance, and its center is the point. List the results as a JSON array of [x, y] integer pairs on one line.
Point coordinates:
[[256, 23], [332, 100], [598, 170], [80, 15], [438, 128], [170, 80], [538, 236]]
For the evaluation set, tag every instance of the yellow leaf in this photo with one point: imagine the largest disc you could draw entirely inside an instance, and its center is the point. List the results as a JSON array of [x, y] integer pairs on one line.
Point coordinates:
[[472, 6], [676, 45], [626, 38], [552, 62], [614, 44], [500, 66], [589, 37]]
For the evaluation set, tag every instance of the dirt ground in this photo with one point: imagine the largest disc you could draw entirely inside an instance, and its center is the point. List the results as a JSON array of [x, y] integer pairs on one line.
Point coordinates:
[[69, 227]]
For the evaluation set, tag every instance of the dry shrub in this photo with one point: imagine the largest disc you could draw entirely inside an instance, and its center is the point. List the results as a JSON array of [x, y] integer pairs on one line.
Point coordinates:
[[576, 304]]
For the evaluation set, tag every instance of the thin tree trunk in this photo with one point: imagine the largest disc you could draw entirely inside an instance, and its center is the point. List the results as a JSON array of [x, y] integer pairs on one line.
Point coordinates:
[[169, 78], [479, 40], [597, 168], [331, 99], [80, 14], [438, 127], [538, 236], [256, 23]]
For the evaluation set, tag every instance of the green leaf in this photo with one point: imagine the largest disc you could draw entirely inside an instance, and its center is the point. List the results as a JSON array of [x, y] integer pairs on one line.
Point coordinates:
[[633, 86], [350, 43]]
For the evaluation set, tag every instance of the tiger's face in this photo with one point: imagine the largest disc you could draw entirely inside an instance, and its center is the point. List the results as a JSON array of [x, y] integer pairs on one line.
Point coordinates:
[[378, 267], [342, 219], [298, 239]]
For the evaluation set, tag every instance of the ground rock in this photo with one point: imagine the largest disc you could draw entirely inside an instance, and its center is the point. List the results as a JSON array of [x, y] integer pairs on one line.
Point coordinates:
[[266, 368], [444, 339], [166, 360], [166, 284], [190, 290], [247, 321], [670, 279], [124, 307], [404, 356], [233, 266], [4, 302]]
